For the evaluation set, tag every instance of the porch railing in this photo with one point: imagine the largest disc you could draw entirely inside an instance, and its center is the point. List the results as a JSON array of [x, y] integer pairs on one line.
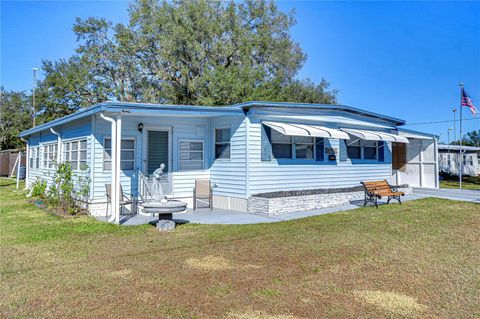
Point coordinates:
[[147, 191], [144, 188]]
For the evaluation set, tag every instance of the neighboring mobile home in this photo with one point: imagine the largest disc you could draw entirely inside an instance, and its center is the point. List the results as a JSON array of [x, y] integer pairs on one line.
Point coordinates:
[[449, 159], [244, 149]]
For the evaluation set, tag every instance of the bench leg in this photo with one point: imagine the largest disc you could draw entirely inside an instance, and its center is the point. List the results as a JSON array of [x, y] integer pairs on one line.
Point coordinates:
[[376, 202], [396, 197]]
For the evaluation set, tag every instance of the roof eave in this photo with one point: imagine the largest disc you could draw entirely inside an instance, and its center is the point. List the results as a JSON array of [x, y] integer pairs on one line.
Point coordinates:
[[339, 107], [116, 107]]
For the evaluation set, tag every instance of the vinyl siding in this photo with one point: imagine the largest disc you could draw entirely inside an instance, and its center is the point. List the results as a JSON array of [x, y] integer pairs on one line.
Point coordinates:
[[76, 130], [229, 175], [281, 175]]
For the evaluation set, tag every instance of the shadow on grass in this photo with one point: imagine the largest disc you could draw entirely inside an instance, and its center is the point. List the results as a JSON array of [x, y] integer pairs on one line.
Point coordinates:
[[7, 182]]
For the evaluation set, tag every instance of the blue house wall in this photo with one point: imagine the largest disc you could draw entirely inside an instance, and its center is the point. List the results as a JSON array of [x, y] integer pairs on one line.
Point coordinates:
[[300, 174], [235, 179]]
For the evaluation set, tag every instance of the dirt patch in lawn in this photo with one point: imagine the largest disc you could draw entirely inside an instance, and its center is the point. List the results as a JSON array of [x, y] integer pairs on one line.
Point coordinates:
[[253, 314], [390, 301], [124, 273], [209, 263], [214, 263]]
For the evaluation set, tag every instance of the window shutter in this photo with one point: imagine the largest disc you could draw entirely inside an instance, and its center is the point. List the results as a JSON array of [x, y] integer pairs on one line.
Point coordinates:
[[381, 151], [319, 149], [266, 143], [343, 150]]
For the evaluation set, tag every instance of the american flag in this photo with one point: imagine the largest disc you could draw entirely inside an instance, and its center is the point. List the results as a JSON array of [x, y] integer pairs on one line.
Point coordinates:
[[466, 101]]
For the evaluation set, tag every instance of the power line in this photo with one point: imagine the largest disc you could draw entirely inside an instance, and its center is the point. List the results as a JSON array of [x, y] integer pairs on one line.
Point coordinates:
[[438, 122]]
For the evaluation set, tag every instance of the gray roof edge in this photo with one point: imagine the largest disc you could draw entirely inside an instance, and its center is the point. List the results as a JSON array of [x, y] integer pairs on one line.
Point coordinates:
[[397, 121], [105, 106], [401, 129], [457, 147], [108, 106], [65, 119]]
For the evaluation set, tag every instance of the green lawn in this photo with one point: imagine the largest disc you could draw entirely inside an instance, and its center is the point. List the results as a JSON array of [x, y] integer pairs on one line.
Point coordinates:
[[468, 182], [420, 259]]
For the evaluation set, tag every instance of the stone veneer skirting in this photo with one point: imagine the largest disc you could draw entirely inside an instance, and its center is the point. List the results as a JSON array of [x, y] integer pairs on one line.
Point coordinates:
[[283, 205]]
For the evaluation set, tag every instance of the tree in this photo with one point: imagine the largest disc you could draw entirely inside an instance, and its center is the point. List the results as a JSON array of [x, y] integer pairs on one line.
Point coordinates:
[[68, 86], [470, 139], [15, 116], [473, 138], [183, 52]]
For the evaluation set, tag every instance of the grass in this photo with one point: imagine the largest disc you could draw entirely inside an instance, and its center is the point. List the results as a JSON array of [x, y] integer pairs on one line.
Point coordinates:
[[468, 182], [416, 260]]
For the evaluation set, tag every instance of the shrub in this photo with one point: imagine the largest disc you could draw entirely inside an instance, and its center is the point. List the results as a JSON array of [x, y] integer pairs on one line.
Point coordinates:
[[68, 191], [38, 188]]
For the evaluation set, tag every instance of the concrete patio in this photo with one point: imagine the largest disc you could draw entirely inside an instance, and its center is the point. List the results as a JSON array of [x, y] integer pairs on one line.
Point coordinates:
[[221, 216]]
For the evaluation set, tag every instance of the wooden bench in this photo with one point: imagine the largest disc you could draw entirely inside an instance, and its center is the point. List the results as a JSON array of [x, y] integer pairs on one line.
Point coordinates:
[[378, 189]]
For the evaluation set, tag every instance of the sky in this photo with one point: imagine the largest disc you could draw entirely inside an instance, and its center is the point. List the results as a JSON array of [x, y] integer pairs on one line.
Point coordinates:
[[402, 59]]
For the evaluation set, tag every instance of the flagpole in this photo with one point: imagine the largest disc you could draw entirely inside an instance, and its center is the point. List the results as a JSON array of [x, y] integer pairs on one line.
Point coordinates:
[[461, 142]]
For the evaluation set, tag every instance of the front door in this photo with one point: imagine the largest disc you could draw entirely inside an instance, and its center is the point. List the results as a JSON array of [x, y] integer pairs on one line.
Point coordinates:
[[158, 152]]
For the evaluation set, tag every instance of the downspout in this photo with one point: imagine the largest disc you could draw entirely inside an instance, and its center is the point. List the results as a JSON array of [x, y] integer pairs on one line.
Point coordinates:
[[92, 158], [114, 201], [27, 160], [247, 155], [59, 143], [437, 174], [118, 154]]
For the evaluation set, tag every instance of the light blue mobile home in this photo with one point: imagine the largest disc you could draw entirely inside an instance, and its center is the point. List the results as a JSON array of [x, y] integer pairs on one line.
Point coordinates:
[[244, 149]]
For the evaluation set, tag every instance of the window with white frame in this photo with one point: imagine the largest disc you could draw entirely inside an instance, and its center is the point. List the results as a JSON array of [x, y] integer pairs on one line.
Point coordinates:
[[222, 143], [75, 152], [303, 147], [190, 155], [34, 157], [369, 150], [464, 160], [362, 149], [471, 160], [49, 155], [281, 145], [354, 149], [127, 159], [292, 147]]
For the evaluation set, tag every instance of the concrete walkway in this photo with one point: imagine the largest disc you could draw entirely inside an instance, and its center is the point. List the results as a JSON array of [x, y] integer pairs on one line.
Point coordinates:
[[447, 193]]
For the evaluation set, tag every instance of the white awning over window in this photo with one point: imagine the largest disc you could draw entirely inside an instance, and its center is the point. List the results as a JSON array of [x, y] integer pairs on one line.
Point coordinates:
[[294, 129], [375, 136]]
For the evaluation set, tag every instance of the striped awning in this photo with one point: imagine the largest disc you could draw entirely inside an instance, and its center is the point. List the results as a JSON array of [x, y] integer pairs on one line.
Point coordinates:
[[375, 135], [293, 129]]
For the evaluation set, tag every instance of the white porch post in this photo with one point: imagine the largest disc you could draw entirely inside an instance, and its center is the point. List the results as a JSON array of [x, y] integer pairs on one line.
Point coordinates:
[[437, 173], [27, 160], [117, 159], [114, 193]]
